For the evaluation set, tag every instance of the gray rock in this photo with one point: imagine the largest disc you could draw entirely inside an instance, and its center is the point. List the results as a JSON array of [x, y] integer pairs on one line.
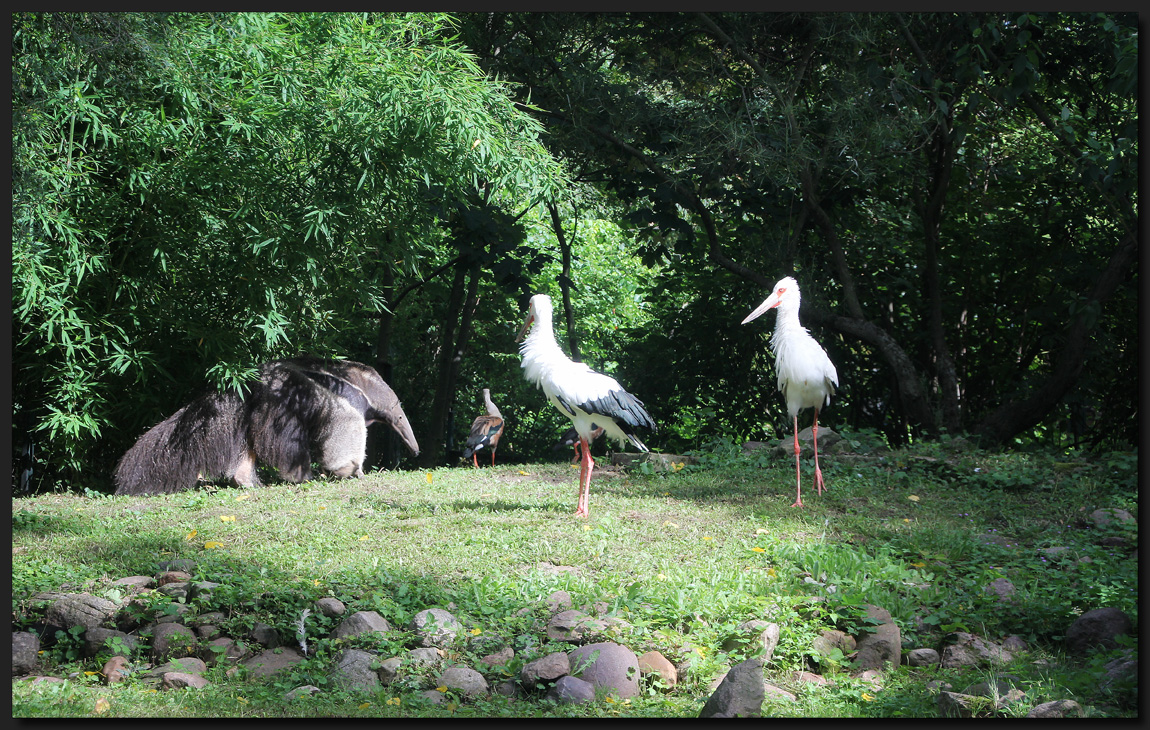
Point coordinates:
[[389, 669], [1014, 643], [1058, 708], [739, 694], [612, 668], [969, 650], [79, 609], [507, 688], [573, 626], [1096, 630], [353, 671], [1108, 515], [777, 693], [433, 696], [545, 669], [180, 680], [826, 642], [361, 622], [424, 657], [571, 691], [264, 635], [330, 607], [201, 589], [753, 637], [954, 704], [175, 591], [173, 576], [183, 665], [463, 680], [272, 661], [223, 649], [25, 652], [135, 583], [96, 640], [882, 646], [499, 658], [435, 627], [306, 690], [559, 601], [1001, 588], [998, 686], [922, 657], [183, 565], [172, 640]]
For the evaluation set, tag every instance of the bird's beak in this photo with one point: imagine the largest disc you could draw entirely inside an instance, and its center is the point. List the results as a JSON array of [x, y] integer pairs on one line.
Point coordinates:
[[771, 301], [526, 326]]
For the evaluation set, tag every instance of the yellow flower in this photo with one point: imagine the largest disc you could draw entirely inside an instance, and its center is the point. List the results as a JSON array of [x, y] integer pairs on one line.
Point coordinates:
[[242, 700], [610, 699], [672, 525], [441, 688], [521, 473], [429, 477], [771, 572], [364, 537], [912, 497], [919, 565], [242, 497], [227, 518], [867, 697], [677, 465], [904, 519], [191, 535], [476, 631], [102, 706], [393, 701], [212, 545], [661, 577], [758, 549], [761, 531], [322, 507], [365, 705], [708, 537], [315, 581]]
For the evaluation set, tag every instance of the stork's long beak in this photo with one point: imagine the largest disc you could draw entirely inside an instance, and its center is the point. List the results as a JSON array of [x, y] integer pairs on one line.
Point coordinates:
[[770, 302], [526, 326]]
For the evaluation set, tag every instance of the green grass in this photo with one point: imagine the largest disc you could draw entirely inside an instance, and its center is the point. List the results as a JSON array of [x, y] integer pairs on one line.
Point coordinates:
[[682, 557]]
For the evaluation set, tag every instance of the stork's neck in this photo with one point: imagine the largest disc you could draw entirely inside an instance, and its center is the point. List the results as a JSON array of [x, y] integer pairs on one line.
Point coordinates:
[[540, 351], [786, 322]]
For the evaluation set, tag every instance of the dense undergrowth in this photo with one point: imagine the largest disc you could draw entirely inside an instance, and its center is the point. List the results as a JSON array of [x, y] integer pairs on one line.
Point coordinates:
[[682, 556]]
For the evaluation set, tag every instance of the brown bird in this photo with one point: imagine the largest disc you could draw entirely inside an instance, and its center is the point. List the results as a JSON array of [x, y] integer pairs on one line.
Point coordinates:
[[485, 431], [571, 438]]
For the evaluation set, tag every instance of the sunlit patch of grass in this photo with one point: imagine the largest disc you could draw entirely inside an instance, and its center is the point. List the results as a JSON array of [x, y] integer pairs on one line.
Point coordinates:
[[681, 556]]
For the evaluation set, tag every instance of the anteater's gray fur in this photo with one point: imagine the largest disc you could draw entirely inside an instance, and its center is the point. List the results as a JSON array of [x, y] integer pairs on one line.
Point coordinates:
[[302, 409]]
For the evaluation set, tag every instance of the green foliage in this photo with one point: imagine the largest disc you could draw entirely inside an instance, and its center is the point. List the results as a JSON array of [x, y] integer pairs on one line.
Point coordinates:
[[196, 193]]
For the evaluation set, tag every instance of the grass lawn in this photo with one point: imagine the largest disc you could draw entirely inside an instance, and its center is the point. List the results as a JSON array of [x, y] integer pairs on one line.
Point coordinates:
[[681, 556]]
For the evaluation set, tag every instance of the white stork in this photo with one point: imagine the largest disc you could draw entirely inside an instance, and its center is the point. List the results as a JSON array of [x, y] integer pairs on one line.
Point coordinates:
[[807, 377], [588, 398]]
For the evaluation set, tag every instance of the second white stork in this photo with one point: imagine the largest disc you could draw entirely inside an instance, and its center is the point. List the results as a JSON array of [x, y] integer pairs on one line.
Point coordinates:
[[807, 377], [586, 397]]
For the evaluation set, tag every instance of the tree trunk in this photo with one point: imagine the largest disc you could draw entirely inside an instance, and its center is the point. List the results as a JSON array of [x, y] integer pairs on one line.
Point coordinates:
[[383, 444], [432, 452], [1014, 417], [565, 280]]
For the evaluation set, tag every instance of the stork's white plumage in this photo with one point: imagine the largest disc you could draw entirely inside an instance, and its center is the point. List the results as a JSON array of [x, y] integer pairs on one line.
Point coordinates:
[[586, 397], [807, 377]]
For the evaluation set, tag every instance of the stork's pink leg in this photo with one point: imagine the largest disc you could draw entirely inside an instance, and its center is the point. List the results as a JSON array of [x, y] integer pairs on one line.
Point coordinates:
[[474, 460], [493, 457], [818, 472], [581, 510], [798, 473]]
